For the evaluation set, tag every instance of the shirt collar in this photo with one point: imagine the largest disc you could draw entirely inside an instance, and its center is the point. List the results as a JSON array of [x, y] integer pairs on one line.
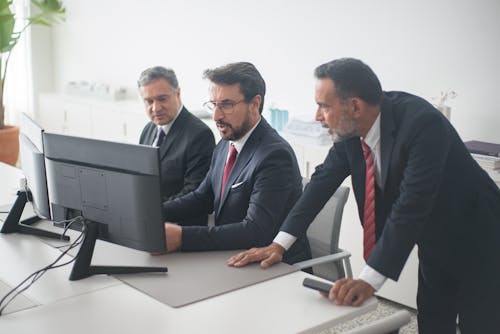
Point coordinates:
[[238, 144], [166, 127], [372, 138]]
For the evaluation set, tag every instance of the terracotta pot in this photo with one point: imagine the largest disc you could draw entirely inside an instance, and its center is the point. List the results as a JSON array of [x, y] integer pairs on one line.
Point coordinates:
[[9, 144]]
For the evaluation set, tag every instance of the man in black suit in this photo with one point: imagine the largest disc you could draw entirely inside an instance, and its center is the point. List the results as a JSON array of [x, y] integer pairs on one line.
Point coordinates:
[[414, 183], [186, 143], [253, 180]]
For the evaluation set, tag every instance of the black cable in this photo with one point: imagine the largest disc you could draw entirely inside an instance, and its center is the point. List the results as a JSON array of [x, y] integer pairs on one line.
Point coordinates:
[[39, 273]]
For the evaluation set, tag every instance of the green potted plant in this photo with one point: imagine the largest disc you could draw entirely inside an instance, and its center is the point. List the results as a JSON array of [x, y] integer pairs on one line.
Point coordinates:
[[48, 12]]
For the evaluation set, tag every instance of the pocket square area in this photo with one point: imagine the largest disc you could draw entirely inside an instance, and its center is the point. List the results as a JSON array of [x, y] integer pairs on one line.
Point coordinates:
[[236, 185]]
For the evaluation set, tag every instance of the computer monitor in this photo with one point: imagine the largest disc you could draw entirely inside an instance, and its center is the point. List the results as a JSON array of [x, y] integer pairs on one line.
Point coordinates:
[[115, 187], [34, 187]]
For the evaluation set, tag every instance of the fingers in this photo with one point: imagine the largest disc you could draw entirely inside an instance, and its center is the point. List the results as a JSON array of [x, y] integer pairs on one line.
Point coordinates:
[[244, 258], [271, 259], [350, 292], [268, 256]]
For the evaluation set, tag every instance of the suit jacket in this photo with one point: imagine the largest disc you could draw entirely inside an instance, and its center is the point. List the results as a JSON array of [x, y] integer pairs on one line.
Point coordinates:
[[433, 193], [263, 186], [185, 155]]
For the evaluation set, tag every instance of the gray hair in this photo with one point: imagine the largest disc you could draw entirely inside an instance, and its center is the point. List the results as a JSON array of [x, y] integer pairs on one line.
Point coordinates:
[[155, 73]]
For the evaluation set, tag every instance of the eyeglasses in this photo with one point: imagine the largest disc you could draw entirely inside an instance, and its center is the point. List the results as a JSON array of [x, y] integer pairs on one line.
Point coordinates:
[[226, 106]]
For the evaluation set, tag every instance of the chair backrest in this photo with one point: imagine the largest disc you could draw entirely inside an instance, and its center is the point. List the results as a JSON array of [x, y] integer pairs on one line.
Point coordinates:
[[323, 233]]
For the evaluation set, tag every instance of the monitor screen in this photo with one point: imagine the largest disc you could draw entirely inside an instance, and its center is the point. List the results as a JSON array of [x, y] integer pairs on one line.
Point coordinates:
[[113, 184], [33, 165], [34, 189]]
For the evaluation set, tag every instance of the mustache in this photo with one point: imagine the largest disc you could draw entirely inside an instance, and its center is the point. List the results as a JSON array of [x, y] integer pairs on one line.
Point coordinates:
[[223, 123]]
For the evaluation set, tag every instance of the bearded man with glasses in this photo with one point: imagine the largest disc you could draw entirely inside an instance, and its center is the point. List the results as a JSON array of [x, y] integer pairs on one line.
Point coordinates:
[[253, 180]]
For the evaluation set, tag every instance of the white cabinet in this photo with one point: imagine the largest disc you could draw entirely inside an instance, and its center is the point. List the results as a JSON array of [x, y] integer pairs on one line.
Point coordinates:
[[120, 121], [77, 118], [309, 154]]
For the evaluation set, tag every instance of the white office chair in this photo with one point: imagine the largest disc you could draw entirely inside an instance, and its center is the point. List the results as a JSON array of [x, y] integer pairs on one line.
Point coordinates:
[[328, 261], [388, 324]]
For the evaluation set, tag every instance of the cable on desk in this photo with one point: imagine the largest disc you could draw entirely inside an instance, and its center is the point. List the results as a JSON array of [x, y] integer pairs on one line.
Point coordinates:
[[16, 291]]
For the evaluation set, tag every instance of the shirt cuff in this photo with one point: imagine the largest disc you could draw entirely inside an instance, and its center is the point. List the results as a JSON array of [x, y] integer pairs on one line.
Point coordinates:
[[372, 277], [285, 240]]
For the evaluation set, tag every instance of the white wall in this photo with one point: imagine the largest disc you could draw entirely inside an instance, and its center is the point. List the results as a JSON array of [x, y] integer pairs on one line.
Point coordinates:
[[424, 47]]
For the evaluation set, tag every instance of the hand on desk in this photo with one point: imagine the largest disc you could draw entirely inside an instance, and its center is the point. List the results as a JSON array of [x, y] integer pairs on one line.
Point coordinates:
[[267, 256], [173, 234], [348, 291]]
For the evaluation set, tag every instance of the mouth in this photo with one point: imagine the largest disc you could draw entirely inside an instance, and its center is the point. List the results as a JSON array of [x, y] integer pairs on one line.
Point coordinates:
[[223, 127]]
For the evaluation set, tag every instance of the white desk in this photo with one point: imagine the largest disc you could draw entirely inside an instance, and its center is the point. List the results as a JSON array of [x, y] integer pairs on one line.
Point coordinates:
[[103, 304]]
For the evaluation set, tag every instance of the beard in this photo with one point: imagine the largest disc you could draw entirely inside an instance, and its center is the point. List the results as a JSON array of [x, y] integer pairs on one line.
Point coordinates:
[[236, 131], [346, 128]]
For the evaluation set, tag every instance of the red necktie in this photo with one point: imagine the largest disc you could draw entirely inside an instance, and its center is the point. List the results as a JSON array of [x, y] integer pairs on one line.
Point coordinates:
[[228, 167], [369, 209]]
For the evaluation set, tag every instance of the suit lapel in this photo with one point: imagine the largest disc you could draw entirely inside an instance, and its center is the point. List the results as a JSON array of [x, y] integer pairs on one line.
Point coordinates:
[[242, 160], [218, 172], [151, 134], [387, 131], [173, 133]]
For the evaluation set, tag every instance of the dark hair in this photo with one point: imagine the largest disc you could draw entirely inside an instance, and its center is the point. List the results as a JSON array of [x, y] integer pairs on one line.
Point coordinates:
[[155, 73], [352, 78], [243, 73]]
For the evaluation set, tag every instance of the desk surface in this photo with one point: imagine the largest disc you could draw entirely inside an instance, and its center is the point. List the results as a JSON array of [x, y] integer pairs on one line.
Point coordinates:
[[280, 305], [103, 304]]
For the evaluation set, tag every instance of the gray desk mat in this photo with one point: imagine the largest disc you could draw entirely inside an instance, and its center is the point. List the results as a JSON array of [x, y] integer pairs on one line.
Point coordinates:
[[193, 277]]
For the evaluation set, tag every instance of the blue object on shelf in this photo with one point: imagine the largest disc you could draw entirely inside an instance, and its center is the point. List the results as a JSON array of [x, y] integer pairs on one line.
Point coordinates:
[[279, 118]]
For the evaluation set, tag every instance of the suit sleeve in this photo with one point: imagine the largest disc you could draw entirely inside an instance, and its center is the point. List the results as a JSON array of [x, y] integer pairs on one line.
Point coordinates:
[[273, 185], [193, 204], [198, 156], [423, 153], [325, 180]]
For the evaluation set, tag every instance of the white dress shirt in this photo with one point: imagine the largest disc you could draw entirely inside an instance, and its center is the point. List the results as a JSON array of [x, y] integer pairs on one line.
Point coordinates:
[[166, 127], [238, 144], [368, 274]]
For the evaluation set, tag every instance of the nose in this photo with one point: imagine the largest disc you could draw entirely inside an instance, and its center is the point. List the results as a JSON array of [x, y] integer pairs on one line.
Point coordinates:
[[217, 114], [155, 106], [319, 115]]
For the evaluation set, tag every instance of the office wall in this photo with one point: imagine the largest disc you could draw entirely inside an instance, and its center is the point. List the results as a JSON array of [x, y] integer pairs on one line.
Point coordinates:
[[423, 47]]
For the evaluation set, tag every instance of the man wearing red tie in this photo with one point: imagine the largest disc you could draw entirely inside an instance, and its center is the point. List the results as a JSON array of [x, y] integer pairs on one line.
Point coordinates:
[[253, 180], [414, 183]]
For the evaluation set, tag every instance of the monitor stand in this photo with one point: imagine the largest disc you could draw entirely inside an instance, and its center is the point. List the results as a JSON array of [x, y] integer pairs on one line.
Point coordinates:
[[13, 223], [82, 268]]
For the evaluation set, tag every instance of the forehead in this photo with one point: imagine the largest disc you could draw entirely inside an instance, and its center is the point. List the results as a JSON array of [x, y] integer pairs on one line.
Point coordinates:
[[325, 89], [158, 86], [225, 92]]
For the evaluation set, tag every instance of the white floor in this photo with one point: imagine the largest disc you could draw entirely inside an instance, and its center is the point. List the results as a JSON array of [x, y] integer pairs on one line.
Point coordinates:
[[384, 309]]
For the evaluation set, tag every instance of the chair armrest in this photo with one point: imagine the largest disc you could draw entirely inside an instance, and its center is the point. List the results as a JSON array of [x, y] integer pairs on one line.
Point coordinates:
[[324, 259], [385, 325]]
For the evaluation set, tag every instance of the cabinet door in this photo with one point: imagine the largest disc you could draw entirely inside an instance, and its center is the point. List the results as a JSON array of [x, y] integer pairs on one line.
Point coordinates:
[[107, 124], [132, 126], [77, 119], [51, 113], [313, 156]]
